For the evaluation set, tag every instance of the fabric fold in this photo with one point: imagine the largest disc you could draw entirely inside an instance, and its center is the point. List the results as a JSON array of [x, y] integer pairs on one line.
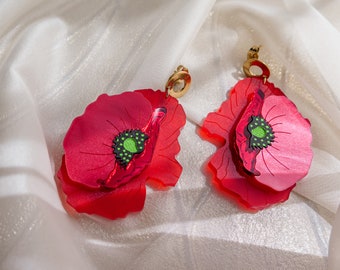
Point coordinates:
[[58, 57]]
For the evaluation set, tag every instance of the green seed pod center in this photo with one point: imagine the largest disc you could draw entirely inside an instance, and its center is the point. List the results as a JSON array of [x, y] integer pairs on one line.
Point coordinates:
[[261, 133], [128, 143]]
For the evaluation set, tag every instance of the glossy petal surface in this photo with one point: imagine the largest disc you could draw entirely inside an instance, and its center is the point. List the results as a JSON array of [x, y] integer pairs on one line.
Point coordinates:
[[96, 180], [254, 176], [112, 204], [288, 159], [88, 143]]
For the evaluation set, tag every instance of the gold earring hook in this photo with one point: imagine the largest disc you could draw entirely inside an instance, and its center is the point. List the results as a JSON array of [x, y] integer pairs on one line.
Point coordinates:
[[178, 83], [252, 60]]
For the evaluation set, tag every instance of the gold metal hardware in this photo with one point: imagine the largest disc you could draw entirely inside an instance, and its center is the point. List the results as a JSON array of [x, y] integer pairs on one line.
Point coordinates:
[[178, 83], [252, 60]]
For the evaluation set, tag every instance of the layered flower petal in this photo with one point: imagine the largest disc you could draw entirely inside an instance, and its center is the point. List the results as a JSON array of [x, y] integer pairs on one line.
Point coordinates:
[[112, 204], [118, 144], [89, 155], [164, 168], [231, 177], [217, 125], [253, 163], [288, 158], [247, 153]]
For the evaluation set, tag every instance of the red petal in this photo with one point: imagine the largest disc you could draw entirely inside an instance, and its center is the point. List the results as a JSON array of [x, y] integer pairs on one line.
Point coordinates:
[[164, 167], [226, 163], [217, 125], [121, 175], [89, 155], [289, 157], [242, 186], [88, 152], [246, 153], [111, 204]]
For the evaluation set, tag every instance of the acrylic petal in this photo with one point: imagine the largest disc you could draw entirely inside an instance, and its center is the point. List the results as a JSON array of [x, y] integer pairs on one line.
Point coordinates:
[[114, 190], [247, 154], [164, 167], [288, 159], [241, 186], [217, 125], [121, 175], [88, 143], [226, 164], [112, 204]]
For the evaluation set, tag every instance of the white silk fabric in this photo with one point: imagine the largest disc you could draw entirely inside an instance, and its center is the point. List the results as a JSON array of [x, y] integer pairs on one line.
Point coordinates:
[[58, 56]]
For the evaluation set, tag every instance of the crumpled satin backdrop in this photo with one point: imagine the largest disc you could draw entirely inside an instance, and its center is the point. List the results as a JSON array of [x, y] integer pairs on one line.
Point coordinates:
[[58, 56]]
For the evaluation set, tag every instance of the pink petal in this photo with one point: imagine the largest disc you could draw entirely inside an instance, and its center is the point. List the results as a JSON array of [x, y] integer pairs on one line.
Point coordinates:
[[88, 152], [289, 157]]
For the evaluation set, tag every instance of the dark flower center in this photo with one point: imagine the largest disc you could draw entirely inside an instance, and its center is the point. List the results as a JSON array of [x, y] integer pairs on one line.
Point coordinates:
[[128, 143], [261, 133]]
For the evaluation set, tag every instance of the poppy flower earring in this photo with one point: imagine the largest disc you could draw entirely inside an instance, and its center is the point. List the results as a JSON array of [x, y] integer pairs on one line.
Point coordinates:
[[120, 143], [265, 143]]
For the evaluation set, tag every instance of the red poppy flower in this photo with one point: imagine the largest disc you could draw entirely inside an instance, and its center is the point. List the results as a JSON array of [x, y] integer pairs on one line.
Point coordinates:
[[265, 144], [118, 144]]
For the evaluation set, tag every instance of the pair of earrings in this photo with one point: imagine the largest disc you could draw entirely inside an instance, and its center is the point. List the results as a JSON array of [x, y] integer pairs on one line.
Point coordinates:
[[123, 141]]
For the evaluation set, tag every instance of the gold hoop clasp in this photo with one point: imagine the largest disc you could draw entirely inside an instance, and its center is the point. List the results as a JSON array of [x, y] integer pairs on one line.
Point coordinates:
[[178, 83], [252, 60]]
